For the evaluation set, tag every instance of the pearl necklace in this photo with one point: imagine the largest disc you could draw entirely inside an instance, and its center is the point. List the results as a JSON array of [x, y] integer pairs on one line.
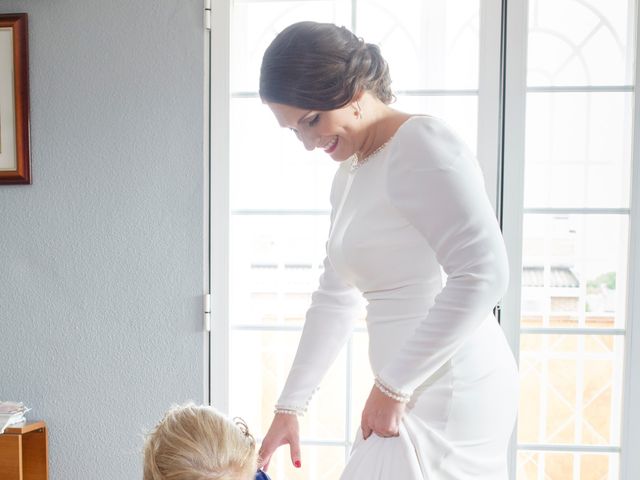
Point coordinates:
[[357, 162]]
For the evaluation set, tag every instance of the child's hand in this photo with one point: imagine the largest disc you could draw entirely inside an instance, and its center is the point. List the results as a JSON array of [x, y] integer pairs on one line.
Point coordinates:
[[284, 430]]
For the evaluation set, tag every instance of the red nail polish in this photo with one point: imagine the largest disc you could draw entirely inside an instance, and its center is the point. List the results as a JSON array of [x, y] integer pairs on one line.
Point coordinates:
[[297, 463]]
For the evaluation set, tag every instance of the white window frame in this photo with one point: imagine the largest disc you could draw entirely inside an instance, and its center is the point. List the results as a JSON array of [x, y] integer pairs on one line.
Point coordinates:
[[630, 460], [501, 101], [515, 90], [219, 202]]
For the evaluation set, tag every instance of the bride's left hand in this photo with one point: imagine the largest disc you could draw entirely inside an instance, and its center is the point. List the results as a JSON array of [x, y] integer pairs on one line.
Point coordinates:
[[381, 415]]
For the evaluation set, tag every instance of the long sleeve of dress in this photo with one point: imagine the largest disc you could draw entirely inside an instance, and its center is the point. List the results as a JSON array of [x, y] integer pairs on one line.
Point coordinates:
[[436, 184], [328, 323]]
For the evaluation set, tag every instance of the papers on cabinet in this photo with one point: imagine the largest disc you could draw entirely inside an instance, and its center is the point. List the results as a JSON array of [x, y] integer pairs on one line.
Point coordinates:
[[11, 413]]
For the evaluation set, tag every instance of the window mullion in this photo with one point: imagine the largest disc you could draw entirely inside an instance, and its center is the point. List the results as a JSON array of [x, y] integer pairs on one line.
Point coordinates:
[[630, 461], [543, 447], [513, 149], [489, 104], [576, 211]]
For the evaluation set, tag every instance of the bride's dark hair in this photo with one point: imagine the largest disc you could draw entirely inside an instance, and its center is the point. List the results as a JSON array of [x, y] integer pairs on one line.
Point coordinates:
[[321, 66]]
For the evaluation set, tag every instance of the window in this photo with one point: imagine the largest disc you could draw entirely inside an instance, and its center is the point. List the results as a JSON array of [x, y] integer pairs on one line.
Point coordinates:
[[570, 244], [568, 311]]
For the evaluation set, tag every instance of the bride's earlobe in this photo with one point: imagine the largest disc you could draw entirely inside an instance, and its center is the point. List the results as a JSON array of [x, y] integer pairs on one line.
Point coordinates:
[[357, 110]]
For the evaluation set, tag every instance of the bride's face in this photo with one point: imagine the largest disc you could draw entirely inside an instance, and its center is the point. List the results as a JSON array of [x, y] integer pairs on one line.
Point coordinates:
[[337, 132]]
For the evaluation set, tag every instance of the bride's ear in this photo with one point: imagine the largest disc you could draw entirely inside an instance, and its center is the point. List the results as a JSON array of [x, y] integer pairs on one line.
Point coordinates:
[[355, 104]]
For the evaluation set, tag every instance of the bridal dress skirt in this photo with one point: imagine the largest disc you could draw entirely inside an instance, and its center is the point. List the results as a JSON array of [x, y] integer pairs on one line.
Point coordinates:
[[458, 423]]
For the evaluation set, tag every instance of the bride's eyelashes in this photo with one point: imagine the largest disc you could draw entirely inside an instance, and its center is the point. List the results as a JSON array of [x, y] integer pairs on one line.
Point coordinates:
[[314, 120]]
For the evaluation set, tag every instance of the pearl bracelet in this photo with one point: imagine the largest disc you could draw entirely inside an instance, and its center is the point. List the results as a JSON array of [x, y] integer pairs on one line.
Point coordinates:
[[391, 393], [289, 411], [294, 410]]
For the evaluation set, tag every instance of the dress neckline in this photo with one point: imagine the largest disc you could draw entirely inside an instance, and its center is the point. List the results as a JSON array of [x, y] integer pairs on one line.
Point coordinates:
[[356, 164]]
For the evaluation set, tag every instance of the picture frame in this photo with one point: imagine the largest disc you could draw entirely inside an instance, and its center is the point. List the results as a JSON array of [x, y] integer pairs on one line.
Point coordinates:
[[14, 100]]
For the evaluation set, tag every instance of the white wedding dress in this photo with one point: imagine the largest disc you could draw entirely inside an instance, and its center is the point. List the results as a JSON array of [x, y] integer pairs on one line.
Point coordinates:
[[415, 206]]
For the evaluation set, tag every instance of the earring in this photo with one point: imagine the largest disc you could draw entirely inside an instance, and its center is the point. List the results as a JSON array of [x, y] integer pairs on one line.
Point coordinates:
[[358, 112]]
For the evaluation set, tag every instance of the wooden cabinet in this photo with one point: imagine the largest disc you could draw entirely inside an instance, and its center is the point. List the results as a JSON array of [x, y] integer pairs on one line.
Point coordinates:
[[24, 452]]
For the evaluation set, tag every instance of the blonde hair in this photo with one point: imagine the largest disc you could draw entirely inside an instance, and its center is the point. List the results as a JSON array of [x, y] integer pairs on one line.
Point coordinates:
[[196, 442]]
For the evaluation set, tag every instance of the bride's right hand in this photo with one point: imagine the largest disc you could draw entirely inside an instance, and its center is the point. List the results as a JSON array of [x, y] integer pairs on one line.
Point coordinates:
[[284, 430]]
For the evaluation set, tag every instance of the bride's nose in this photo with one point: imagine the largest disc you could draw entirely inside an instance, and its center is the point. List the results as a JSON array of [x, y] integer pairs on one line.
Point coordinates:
[[308, 140]]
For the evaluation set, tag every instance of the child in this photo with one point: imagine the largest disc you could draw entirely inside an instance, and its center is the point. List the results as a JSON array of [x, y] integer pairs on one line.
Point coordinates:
[[196, 442]]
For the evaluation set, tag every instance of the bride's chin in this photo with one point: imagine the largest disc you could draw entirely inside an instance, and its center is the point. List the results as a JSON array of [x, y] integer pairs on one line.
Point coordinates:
[[340, 157]]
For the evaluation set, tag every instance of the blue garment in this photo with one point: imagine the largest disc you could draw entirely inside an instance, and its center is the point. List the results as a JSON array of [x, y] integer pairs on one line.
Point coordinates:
[[260, 475]]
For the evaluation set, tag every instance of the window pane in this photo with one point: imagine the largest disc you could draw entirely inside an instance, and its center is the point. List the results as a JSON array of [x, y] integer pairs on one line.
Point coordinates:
[[567, 466], [570, 389], [574, 271], [270, 167], [260, 362], [275, 259], [255, 24], [459, 112], [428, 44], [578, 149], [275, 263], [594, 48]]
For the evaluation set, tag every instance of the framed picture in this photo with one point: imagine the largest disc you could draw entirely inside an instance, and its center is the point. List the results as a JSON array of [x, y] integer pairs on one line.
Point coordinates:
[[14, 99]]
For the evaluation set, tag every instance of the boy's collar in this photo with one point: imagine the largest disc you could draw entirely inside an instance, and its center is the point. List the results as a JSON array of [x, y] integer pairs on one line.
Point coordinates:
[[260, 475]]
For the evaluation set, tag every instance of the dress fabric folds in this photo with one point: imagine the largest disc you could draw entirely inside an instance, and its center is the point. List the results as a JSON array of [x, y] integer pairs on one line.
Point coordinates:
[[417, 209]]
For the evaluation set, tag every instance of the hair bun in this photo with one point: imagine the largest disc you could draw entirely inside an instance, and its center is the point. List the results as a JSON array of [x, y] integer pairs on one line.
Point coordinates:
[[368, 70]]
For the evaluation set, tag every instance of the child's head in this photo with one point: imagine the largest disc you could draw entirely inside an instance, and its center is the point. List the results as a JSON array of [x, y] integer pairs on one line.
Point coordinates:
[[198, 443]]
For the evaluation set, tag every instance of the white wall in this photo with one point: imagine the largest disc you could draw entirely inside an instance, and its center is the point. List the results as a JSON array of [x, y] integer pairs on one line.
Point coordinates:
[[101, 257]]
